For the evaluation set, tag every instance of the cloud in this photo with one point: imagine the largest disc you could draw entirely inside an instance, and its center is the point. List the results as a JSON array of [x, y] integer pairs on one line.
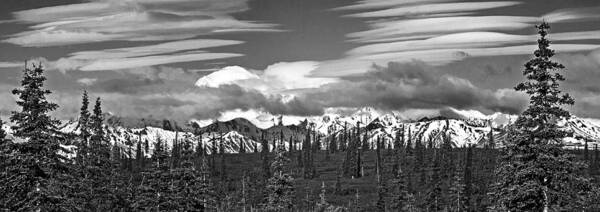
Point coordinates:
[[278, 78], [100, 21], [377, 4], [451, 41], [415, 10], [414, 85], [447, 49], [411, 29], [573, 14], [140, 56], [161, 48], [87, 81], [11, 64], [125, 63], [57, 38], [176, 24], [402, 31], [294, 75]]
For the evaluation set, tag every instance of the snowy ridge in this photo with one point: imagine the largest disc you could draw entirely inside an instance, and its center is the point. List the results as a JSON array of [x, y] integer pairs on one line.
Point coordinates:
[[466, 129]]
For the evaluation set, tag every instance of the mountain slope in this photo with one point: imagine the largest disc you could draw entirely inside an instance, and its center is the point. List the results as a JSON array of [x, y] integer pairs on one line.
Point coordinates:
[[463, 130]]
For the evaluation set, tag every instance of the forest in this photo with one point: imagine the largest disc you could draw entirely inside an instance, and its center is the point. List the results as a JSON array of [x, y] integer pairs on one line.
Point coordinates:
[[528, 170]]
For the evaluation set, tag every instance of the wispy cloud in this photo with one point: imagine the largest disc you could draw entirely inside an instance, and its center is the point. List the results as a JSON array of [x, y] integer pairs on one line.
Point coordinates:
[[162, 48], [415, 10], [442, 32], [11, 64], [154, 20], [139, 56], [411, 29], [469, 40], [124, 63], [377, 4], [573, 14], [174, 23]]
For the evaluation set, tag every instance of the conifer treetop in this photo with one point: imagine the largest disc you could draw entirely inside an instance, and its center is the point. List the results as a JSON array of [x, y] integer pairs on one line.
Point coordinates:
[[33, 121], [545, 98]]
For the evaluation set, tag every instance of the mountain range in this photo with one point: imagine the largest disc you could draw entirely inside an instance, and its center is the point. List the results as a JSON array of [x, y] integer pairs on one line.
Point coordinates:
[[462, 127]]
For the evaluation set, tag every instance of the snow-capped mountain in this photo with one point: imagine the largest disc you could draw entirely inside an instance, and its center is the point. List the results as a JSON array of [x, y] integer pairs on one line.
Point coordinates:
[[463, 128]]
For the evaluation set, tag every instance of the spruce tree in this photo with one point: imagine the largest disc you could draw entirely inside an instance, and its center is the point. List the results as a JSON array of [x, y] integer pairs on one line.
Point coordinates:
[[491, 140], [84, 118], [307, 152], [409, 146], [468, 179], [586, 152], [94, 167], [433, 199], [97, 120], [333, 146], [456, 200], [399, 191], [280, 187], [536, 173], [37, 177], [223, 171], [139, 156], [33, 121], [192, 190], [595, 165], [380, 205], [264, 153], [155, 190]]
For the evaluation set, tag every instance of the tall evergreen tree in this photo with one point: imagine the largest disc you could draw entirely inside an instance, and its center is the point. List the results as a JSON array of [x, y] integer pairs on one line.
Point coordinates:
[[97, 120], [193, 190], [307, 152], [265, 157], [586, 152], [536, 173], [280, 187], [380, 205], [434, 199], [333, 146], [468, 179], [399, 191], [139, 156], [409, 145], [595, 165], [36, 173], [491, 140], [456, 200], [94, 167], [33, 121], [84, 117], [223, 171], [155, 190]]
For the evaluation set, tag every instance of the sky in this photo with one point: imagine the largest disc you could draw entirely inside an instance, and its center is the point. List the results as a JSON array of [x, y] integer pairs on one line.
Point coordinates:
[[207, 59]]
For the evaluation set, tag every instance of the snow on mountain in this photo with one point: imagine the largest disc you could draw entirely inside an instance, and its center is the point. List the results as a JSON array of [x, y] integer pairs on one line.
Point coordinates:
[[461, 133], [468, 129], [225, 76], [583, 129], [232, 142]]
